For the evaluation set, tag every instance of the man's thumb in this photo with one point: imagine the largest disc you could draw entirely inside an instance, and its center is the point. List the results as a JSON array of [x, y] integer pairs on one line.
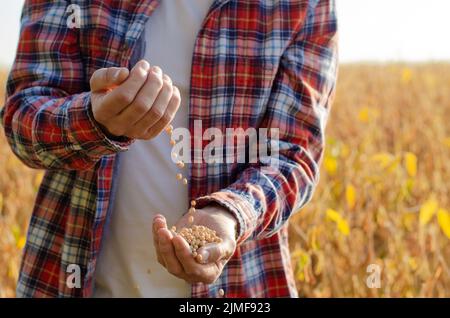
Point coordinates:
[[106, 78]]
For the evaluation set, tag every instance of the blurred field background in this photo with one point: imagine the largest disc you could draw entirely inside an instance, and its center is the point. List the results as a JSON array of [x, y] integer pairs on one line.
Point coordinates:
[[382, 198], [384, 188]]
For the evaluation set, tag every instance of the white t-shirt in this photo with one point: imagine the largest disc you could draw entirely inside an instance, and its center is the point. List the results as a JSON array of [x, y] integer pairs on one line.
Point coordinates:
[[127, 264]]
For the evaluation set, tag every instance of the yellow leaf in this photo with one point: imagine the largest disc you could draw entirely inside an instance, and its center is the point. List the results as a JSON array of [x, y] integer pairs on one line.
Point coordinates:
[[447, 142], [413, 263], [12, 271], [411, 164], [367, 114], [1, 202], [341, 223], [343, 227], [409, 185], [302, 259], [300, 276], [363, 115], [16, 232], [395, 163], [427, 211], [21, 242], [38, 178], [330, 164], [350, 195], [333, 215], [443, 217], [406, 75]]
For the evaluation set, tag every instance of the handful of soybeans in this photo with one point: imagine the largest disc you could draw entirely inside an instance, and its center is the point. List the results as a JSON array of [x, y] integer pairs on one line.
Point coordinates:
[[198, 236]]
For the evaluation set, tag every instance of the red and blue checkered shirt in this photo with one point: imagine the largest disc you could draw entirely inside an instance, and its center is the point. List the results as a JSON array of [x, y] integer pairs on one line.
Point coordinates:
[[255, 64]]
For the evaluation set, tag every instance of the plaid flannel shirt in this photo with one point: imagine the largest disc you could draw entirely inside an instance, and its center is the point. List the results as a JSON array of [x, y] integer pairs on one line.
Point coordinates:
[[255, 64]]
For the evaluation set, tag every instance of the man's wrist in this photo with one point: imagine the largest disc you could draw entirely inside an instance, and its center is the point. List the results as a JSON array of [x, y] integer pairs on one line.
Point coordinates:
[[227, 214], [103, 129]]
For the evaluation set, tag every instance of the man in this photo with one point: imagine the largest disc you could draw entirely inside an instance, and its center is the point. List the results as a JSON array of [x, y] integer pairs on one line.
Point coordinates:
[[80, 107]]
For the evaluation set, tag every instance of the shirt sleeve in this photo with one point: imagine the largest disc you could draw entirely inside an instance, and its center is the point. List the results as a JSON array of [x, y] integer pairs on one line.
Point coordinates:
[[264, 196], [47, 116]]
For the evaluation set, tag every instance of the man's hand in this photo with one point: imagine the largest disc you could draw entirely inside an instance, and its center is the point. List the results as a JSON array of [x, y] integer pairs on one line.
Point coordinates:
[[137, 104], [175, 255]]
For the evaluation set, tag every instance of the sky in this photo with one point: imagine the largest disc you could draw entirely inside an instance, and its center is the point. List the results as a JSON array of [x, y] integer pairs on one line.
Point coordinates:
[[370, 30]]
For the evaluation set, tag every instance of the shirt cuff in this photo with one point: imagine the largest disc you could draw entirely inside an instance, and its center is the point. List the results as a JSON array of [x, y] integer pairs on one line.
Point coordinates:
[[86, 134], [239, 207]]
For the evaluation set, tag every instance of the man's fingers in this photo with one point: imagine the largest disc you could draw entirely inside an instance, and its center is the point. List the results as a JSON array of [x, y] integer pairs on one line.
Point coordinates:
[[151, 103], [194, 271], [167, 251], [183, 251], [160, 217], [212, 253], [168, 116], [159, 222], [123, 95], [107, 78]]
